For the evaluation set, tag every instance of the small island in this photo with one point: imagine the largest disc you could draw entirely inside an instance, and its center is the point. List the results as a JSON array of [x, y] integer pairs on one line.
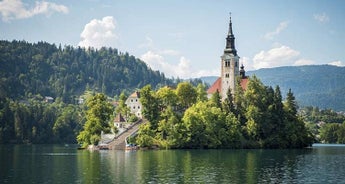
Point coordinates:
[[237, 111]]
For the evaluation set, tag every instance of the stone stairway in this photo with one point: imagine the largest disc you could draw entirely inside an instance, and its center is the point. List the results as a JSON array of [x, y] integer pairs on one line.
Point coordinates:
[[119, 142]]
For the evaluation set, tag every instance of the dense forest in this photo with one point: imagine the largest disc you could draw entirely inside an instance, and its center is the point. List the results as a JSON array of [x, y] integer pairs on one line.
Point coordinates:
[[255, 118], [28, 69], [29, 72]]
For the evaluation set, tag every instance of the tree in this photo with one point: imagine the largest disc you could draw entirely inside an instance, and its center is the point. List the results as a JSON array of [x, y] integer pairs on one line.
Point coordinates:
[[122, 108], [341, 134], [216, 99], [145, 135], [205, 126], [201, 92], [169, 129], [97, 120], [296, 134], [187, 94], [167, 97], [228, 103], [255, 106], [150, 105], [67, 125]]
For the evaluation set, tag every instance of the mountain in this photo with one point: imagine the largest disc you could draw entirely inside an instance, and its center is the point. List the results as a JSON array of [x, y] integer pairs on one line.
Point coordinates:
[[30, 69], [322, 86]]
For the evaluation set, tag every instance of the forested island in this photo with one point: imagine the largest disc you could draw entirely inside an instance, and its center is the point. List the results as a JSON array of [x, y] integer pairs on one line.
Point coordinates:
[[256, 118], [179, 113]]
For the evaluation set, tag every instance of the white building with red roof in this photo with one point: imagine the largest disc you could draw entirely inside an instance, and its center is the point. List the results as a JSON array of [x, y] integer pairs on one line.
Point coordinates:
[[134, 104]]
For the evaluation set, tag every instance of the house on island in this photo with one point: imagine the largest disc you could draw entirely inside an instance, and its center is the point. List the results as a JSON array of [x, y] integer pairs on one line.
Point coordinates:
[[134, 104], [48, 99], [120, 123], [230, 69]]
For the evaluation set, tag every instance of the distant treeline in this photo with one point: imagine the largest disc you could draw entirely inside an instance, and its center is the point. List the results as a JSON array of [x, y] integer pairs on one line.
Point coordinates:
[[36, 121], [327, 125]]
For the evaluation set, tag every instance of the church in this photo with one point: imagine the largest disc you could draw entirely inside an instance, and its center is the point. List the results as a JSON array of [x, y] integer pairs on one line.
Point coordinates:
[[230, 69]]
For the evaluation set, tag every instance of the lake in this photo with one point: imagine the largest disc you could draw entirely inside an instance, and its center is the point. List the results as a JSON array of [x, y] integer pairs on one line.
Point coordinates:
[[66, 164]]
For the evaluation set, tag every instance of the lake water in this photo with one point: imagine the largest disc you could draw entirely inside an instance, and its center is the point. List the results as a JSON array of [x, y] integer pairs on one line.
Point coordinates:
[[66, 164]]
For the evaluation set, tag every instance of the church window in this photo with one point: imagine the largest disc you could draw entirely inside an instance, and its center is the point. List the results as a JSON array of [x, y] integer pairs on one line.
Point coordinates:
[[236, 64], [226, 75]]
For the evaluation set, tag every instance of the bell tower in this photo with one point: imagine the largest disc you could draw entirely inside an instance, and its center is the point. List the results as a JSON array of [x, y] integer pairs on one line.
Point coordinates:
[[229, 64]]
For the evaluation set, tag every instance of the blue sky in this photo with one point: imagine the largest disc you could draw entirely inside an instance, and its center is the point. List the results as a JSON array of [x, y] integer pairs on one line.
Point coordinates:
[[186, 38]]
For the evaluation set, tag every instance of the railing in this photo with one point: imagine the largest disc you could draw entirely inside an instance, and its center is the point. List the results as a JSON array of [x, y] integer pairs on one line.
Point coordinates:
[[127, 129]]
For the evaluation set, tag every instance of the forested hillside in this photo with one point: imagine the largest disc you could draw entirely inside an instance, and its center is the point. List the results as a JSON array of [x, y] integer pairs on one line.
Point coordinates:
[[29, 72], [44, 69], [320, 86]]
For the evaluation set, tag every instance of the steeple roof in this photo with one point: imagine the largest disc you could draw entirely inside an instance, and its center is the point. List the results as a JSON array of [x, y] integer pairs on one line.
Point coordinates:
[[230, 41]]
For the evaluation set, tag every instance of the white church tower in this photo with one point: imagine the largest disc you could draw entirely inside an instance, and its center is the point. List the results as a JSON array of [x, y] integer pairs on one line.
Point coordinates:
[[229, 64]]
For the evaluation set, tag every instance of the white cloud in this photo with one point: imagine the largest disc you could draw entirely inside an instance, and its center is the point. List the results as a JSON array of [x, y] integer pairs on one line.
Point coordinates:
[[99, 33], [323, 18], [280, 56], [270, 35], [247, 63], [15, 9], [303, 62], [182, 69], [337, 63], [169, 52], [149, 44]]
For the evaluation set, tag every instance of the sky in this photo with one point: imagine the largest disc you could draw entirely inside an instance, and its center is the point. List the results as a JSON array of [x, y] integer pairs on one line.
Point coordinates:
[[185, 39]]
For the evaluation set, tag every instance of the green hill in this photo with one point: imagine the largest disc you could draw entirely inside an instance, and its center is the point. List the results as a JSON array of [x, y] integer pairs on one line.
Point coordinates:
[[44, 69], [321, 86]]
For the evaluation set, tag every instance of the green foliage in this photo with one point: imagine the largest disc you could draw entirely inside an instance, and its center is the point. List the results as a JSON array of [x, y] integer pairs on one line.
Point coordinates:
[[145, 135], [149, 100], [258, 120], [122, 108], [328, 132], [97, 120], [36, 121], [228, 104], [42, 68], [216, 100], [187, 94], [319, 121], [201, 91]]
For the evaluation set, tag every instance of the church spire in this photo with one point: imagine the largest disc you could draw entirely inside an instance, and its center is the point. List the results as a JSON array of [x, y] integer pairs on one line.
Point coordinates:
[[230, 41]]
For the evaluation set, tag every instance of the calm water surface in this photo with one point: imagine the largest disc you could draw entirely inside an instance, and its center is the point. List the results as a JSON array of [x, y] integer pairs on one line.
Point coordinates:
[[65, 164]]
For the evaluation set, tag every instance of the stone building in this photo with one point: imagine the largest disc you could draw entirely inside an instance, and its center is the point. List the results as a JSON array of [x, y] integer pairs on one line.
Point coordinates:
[[229, 69]]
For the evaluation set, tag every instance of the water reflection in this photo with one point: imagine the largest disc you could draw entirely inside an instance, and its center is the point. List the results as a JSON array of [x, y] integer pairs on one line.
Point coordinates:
[[60, 164]]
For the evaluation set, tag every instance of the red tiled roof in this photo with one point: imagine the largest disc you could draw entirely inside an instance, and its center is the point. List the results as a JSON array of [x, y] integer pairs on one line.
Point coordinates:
[[244, 83], [215, 86], [135, 95], [119, 118]]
